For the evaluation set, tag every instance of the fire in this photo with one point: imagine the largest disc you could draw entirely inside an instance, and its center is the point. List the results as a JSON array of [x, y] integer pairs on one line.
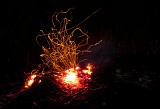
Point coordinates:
[[30, 81], [71, 77], [62, 53], [75, 78]]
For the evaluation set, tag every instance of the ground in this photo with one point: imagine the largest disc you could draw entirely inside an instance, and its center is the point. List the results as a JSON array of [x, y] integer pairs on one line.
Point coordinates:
[[129, 81]]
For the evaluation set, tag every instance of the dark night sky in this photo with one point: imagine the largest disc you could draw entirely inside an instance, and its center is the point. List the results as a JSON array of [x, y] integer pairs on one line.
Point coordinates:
[[127, 60], [121, 21]]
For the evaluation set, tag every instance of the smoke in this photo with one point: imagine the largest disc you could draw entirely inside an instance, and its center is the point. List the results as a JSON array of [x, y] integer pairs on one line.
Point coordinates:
[[101, 54]]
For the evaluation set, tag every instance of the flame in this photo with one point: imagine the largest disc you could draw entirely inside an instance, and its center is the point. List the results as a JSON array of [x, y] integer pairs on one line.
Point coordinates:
[[62, 53], [75, 78], [71, 77], [30, 81]]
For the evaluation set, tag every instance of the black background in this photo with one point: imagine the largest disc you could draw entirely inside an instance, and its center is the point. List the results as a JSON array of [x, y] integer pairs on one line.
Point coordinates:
[[129, 30]]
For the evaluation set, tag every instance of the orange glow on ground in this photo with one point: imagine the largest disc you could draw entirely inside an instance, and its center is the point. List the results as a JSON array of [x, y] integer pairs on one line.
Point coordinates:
[[75, 78], [71, 79]]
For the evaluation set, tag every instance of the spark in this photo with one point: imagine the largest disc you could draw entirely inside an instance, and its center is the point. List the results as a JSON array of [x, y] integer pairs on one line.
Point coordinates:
[[61, 55]]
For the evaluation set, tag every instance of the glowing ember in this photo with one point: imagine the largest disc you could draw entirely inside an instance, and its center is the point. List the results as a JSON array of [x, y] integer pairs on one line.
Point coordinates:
[[30, 81], [39, 81], [71, 77], [75, 78]]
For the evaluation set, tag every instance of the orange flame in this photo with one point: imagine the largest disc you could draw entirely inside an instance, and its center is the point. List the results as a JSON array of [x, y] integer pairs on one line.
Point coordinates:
[[75, 78], [62, 53], [71, 77], [30, 81]]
